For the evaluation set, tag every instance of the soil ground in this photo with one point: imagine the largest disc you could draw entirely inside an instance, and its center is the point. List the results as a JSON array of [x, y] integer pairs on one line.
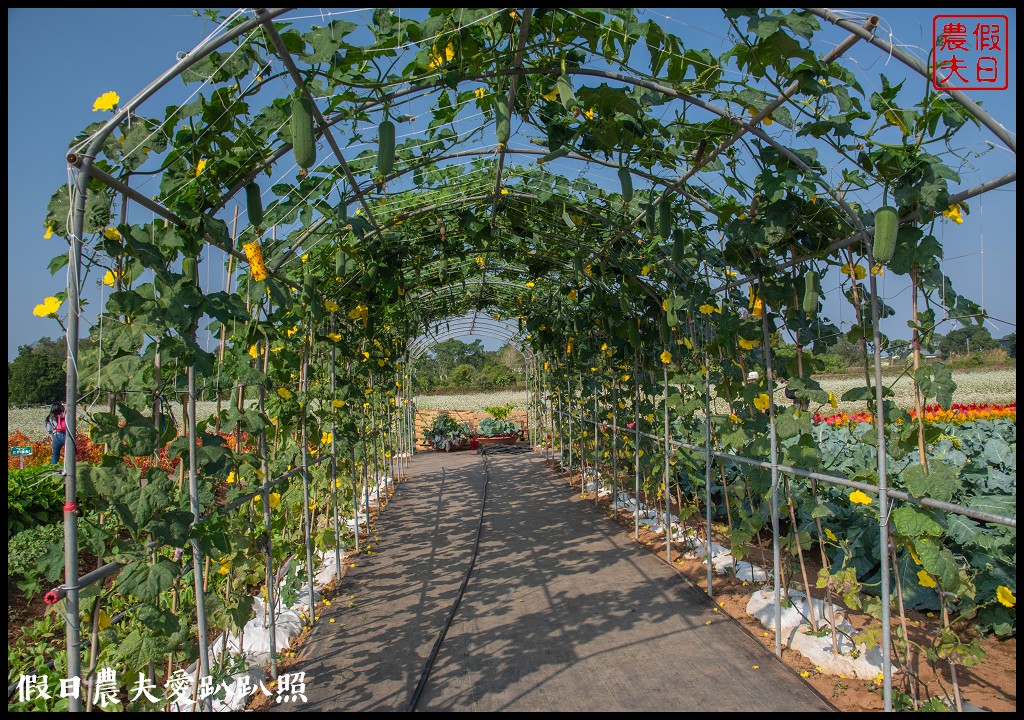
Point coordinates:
[[991, 685]]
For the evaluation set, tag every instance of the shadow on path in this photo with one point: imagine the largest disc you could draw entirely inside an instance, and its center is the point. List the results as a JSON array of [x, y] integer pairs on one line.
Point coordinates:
[[563, 611]]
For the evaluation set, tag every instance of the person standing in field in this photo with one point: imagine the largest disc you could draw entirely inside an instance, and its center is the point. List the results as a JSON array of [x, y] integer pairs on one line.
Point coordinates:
[[57, 429]]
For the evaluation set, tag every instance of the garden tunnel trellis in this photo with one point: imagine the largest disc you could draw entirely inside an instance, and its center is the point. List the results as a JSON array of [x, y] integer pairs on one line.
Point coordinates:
[[501, 258]]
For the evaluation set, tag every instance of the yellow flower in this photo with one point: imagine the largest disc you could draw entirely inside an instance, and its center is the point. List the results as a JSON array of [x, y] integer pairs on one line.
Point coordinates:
[[337, 403], [231, 478], [103, 620], [531, 284], [645, 269], [748, 344], [225, 568], [626, 377], [831, 535], [666, 357], [366, 356], [879, 679], [953, 213], [894, 119], [109, 278], [504, 191], [877, 269], [860, 498], [1005, 596], [334, 337], [330, 306], [856, 271], [805, 674], [664, 305], [707, 309], [480, 260], [449, 52], [757, 308], [360, 312], [200, 166], [547, 365], [49, 232], [106, 101], [572, 294], [284, 393], [735, 418], [568, 347], [832, 400], [588, 269], [111, 234], [254, 351], [589, 114], [275, 500], [325, 438], [479, 92], [924, 579], [48, 307], [292, 330], [553, 95], [762, 401]]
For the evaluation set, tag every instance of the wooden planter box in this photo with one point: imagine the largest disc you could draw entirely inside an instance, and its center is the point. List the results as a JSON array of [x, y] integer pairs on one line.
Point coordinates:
[[510, 439], [464, 445]]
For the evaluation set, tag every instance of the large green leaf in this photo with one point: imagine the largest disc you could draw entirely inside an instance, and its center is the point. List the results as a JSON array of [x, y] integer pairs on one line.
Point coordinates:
[[939, 562], [146, 581], [913, 522], [940, 482]]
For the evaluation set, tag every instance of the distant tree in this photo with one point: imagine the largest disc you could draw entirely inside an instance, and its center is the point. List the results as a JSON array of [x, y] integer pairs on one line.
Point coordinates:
[[449, 354], [1009, 343], [36, 376], [850, 353], [512, 359], [967, 340], [463, 376]]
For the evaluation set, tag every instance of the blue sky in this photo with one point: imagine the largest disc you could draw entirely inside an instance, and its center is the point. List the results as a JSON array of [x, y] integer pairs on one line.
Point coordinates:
[[61, 60]]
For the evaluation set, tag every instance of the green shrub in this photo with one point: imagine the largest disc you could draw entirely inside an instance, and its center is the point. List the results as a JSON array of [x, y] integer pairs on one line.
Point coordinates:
[[35, 496]]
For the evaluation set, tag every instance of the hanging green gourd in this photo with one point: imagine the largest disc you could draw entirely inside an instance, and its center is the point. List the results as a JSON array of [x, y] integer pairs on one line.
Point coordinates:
[[811, 288], [190, 269], [652, 219], [626, 181], [339, 264], [302, 134], [503, 122], [254, 204], [664, 219], [634, 333], [678, 246], [670, 312], [386, 148], [887, 223], [554, 155]]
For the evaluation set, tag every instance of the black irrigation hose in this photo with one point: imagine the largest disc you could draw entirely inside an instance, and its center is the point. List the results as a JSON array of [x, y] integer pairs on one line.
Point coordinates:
[[458, 598]]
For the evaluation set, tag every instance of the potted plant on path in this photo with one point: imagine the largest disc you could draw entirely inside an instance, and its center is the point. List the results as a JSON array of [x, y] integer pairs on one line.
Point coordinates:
[[497, 429], [446, 435]]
